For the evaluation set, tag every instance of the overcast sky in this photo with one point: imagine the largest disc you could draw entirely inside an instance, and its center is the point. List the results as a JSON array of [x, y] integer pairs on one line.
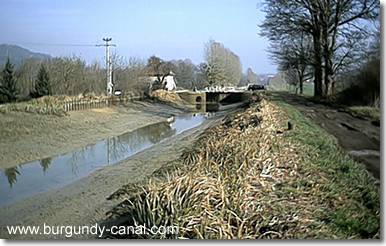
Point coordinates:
[[170, 29]]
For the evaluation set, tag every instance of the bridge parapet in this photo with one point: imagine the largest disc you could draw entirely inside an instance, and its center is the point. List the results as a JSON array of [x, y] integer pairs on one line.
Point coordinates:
[[223, 89], [213, 95], [193, 97]]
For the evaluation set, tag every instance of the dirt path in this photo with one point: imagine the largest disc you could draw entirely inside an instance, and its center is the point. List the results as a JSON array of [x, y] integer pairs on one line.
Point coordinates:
[[26, 137], [358, 137]]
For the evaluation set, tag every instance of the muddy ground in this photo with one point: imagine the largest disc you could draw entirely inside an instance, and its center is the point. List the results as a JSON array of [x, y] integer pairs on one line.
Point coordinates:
[[85, 202], [26, 137], [360, 138]]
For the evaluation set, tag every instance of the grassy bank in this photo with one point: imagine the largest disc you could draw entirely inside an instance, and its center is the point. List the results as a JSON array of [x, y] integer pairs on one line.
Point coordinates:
[[47, 105], [351, 192], [365, 112], [258, 176]]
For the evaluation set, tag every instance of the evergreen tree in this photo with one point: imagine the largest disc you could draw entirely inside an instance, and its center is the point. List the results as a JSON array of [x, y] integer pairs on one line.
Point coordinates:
[[8, 88], [42, 83]]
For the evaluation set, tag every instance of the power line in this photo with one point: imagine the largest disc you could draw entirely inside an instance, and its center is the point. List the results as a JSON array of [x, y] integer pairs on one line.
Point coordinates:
[[56, 44], [109, 69], [107, 44]]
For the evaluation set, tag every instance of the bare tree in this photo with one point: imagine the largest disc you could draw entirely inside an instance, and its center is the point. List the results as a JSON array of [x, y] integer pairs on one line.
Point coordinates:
[[72, 76], [129, 76], [294, 55], [330, 23], [252, 78], [26, 75], [222, 65], [186, 73], [201, 78], [159, 68]]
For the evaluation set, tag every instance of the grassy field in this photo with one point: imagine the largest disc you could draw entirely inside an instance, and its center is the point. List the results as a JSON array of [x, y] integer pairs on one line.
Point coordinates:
[[366, 112], [256, 176], [308, 89]]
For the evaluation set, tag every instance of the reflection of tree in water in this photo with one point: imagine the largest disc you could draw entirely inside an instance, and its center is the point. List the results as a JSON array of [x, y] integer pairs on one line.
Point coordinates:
[[12, 174], [45, 163], [130, 142], [79, 156], [119, 147], [115, 149]]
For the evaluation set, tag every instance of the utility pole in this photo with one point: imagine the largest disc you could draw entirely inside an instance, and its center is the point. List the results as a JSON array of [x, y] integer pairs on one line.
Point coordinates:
[[109, 65]]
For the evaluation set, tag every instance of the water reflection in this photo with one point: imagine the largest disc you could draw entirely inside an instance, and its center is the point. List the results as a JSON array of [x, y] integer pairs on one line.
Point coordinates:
[[45, 163], [12, 174], [132, 142], [42, 175], [207, 107]]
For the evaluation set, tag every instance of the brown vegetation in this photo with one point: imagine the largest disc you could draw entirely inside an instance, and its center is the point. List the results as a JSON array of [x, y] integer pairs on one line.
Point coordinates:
[[256, 176]]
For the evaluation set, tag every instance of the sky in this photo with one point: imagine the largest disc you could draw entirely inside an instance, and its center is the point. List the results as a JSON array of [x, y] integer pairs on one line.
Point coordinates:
[[170, 29]]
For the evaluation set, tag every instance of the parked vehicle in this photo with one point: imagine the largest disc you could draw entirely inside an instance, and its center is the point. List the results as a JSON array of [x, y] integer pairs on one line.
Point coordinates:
[[255, 87], [117, 93]]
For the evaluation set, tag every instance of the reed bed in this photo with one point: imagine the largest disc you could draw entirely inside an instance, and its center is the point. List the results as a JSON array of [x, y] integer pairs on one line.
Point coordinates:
[[53, 105], [250, 178], [44, 105]]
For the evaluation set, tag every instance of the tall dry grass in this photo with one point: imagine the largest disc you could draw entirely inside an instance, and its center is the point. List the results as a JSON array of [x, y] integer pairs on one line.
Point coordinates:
[[52, 105], [245, 179], [231, 188]]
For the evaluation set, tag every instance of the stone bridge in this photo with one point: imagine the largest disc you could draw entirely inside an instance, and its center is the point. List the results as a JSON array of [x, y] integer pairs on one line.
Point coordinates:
[[213, 95]]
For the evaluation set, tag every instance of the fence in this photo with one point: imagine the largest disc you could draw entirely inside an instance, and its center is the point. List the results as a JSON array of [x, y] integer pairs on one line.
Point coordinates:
[[83, 103]]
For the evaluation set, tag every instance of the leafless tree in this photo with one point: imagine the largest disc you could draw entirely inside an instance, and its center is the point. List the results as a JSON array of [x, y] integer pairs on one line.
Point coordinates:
[[222, 65], [26, 75], [294, 55], [186, 73], [159, 68], [129, 75], [331, 24]]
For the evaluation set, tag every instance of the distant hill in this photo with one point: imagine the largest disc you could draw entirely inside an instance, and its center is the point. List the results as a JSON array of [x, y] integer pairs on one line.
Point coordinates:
[[18, 54]]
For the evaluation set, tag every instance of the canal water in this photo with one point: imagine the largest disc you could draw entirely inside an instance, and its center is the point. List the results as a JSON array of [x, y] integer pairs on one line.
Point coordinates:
[[43, 175]]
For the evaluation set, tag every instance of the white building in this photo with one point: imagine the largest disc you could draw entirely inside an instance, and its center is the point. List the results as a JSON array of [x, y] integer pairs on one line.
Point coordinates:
[[168, 81]]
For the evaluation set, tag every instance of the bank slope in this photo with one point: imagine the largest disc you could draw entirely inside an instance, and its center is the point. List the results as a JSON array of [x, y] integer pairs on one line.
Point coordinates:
[[266, 173]]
